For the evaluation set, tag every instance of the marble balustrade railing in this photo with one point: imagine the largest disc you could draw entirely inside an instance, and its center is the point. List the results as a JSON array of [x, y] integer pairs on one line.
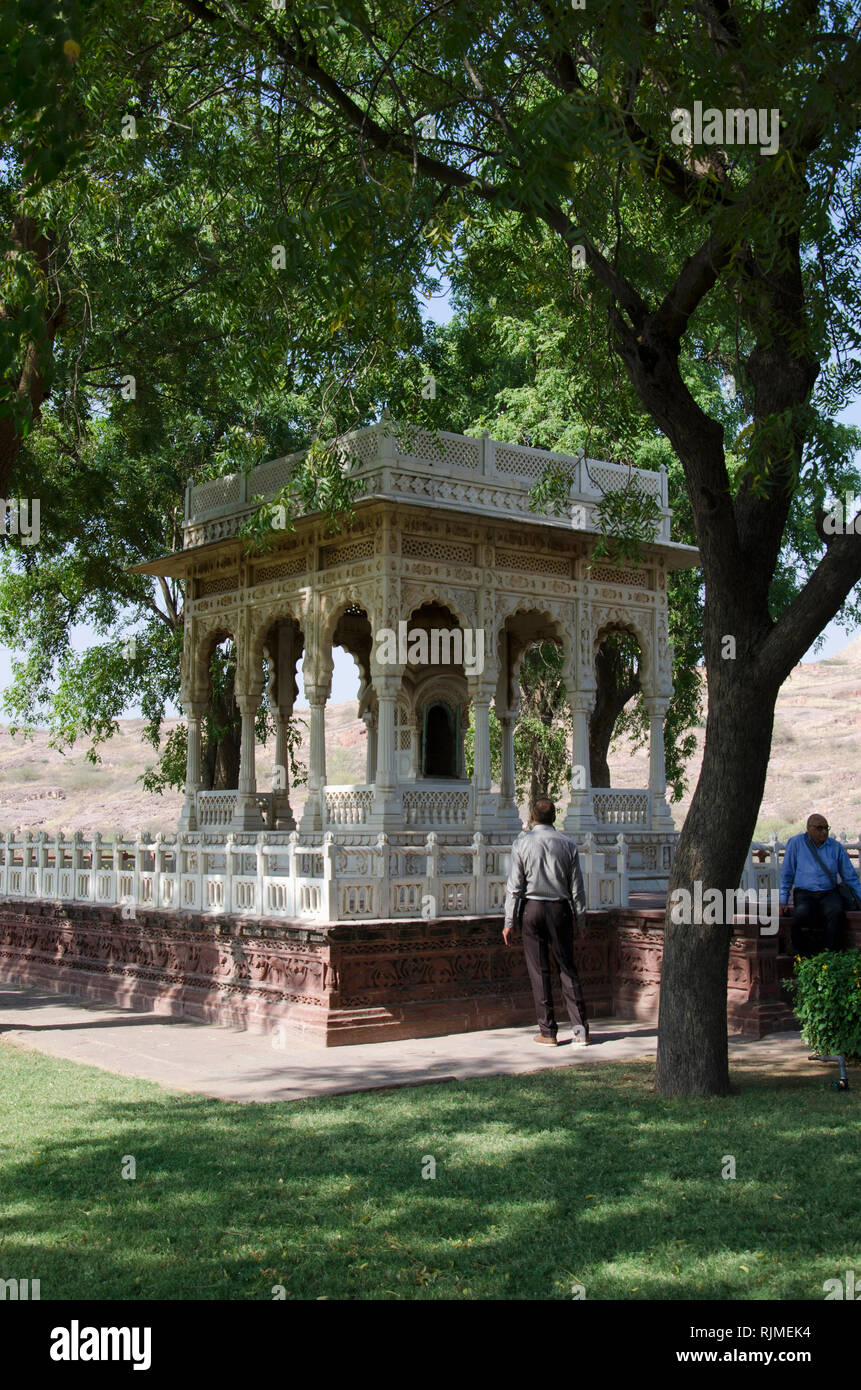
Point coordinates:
[[332, 879], [274, 874]]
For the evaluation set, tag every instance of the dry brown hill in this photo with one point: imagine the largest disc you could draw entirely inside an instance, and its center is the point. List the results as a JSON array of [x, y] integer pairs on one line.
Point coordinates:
[[814, 765]]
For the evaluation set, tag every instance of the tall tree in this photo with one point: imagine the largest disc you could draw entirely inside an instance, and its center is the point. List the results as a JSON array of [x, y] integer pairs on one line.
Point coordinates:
[[537, 145], [468, 119]]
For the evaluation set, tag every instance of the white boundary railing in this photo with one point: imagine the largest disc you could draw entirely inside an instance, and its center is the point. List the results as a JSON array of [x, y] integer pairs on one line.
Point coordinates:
[[330, 879], [215, 810], [268, 874], [348, 805]]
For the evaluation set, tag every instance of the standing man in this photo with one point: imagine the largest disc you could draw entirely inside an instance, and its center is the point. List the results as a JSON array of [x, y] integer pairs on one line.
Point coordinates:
[[813, 863], [545, 876]]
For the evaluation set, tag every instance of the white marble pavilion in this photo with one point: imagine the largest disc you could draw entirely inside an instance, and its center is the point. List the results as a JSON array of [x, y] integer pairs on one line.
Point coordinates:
[[444, 556]]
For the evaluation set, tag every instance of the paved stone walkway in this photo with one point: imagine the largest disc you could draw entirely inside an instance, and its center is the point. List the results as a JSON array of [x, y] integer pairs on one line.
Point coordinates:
[[231, 1065]]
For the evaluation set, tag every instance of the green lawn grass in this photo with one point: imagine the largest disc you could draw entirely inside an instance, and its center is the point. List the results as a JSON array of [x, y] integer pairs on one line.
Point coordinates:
[[542, 1180]]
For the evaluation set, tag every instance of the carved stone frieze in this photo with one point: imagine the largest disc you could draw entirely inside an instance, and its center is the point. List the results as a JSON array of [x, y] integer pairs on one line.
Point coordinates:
[[357, 980]]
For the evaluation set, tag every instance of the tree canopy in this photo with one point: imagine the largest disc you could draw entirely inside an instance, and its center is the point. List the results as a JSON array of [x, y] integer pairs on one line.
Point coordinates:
[[247, 250]]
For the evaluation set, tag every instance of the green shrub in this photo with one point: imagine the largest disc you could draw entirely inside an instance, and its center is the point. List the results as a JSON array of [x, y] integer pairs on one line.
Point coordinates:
[[781, 826], [827, 1000]]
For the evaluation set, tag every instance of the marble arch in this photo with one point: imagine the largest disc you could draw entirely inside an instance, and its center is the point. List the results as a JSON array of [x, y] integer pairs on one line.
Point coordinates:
[[334, 606], [608, 624], [195, 688], [555, 614], [540, 623], [263, 620], [198, 647], [415, 599]]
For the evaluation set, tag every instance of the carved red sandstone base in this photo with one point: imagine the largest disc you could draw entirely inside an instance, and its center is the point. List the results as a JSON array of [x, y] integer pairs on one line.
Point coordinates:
[[358, 981]]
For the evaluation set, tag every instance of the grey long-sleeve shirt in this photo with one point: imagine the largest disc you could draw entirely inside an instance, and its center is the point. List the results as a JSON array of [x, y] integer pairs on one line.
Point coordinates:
[[544, 864]]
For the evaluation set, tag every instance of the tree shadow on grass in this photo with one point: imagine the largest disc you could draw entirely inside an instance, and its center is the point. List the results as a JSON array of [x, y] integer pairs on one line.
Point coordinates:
[[539, 1181]]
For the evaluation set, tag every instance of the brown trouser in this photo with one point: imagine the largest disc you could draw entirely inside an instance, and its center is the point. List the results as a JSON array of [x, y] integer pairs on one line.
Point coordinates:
[[549, 926]]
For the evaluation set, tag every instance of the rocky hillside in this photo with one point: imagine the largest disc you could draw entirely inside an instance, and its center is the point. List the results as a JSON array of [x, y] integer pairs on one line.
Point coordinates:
[[815, 759]]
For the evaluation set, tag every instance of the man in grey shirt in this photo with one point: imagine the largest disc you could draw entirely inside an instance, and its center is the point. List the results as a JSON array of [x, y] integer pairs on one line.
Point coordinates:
[[545, 876]]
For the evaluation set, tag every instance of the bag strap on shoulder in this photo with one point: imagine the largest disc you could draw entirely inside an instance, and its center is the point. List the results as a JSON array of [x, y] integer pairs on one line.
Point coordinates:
[[822, 863]]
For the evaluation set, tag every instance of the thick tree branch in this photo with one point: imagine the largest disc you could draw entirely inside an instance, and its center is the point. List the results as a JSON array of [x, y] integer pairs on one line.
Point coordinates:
[[169, 604], [393, 143], [30, 389], [800, 624], [697, 277], [151, 604]]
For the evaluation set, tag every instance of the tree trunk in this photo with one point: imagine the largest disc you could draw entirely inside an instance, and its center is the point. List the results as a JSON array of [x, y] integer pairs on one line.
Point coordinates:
[[227, 761], [539, 778], [616, 687], [739, 537], [28, 386], [692, 1030], [219, 762], [222, 744]]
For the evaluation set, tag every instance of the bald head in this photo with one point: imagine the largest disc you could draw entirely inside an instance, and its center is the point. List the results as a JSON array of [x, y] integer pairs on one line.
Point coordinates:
[[817, 828]]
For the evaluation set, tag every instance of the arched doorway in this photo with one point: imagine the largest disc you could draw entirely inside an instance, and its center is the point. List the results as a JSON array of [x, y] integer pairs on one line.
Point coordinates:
[[439, 741]]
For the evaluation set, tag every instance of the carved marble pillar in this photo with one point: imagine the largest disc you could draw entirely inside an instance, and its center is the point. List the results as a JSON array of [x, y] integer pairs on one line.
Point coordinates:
[[369, 719], [281, 655], [580, 811], [314, 815], [662, 816], [507, 779], [247, 814], [387, 809], [317, 672], [507, 814], [387, 688], [415, 750], [485, 803], [481, 705], [507, 705], [194, 711], [282, 811]]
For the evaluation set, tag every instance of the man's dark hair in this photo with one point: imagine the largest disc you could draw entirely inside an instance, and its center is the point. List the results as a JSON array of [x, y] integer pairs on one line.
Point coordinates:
[[544, 811]]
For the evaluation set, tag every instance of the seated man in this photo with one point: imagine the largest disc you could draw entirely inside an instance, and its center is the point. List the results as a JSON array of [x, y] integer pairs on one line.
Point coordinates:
[[814, 863]]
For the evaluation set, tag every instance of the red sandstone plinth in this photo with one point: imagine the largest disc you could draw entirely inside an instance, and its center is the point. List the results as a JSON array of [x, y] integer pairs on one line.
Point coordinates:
[[358, 981]]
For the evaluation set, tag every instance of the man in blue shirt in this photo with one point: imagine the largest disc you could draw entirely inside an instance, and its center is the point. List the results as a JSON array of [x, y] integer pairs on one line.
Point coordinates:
[[814, 863]]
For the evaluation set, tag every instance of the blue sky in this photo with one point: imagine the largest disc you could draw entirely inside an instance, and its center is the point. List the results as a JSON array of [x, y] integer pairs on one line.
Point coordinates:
[[345, 676]]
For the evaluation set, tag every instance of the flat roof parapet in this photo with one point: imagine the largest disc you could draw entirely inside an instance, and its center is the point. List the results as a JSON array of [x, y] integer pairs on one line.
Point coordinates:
[[433, 468]]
